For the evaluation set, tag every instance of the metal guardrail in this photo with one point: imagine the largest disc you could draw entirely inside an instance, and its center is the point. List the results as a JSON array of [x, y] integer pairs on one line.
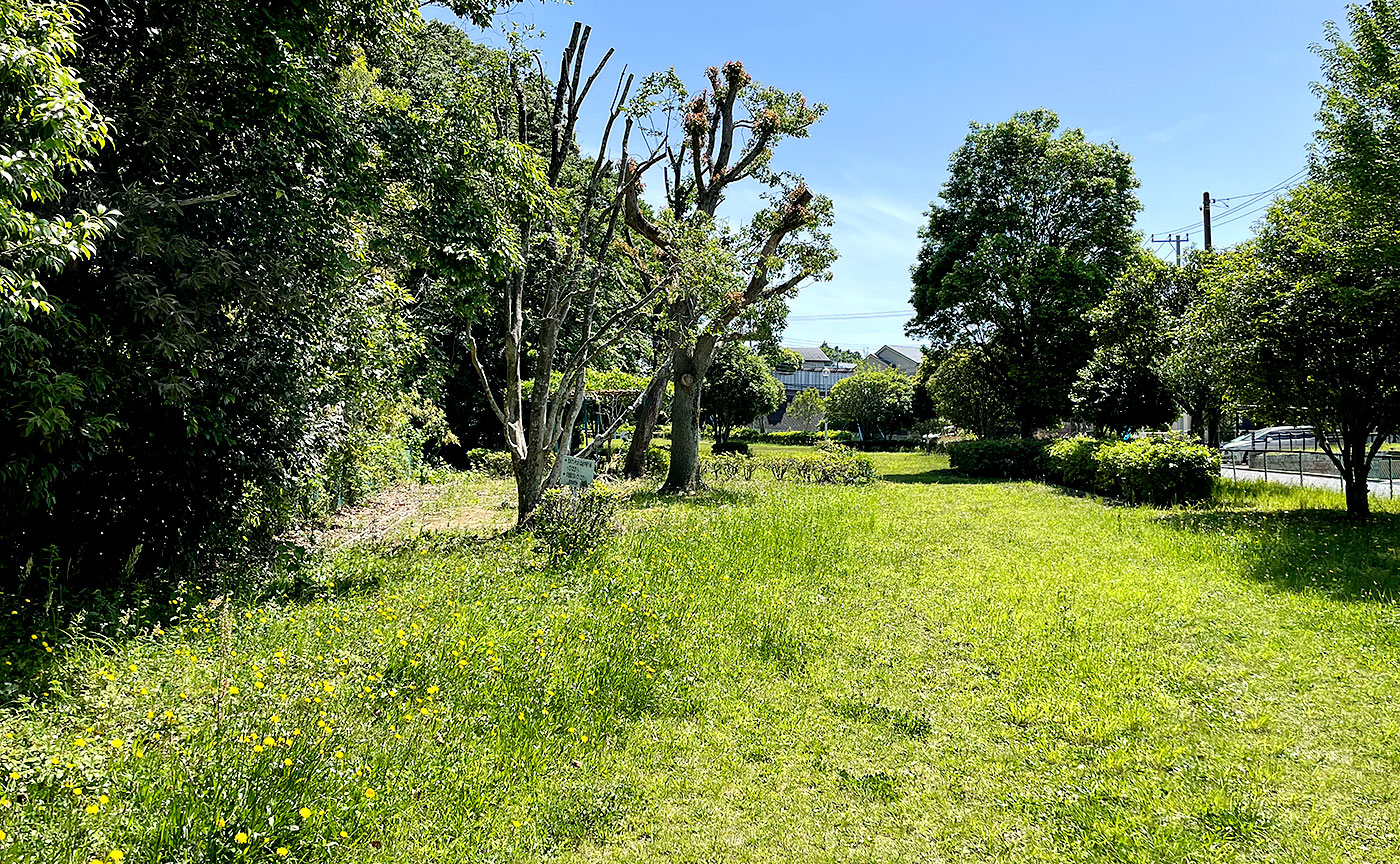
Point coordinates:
[[1309, 463]]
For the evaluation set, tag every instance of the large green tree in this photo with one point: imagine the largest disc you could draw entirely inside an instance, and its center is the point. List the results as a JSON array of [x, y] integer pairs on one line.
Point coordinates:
[[1031, 230], [1122, 386], [1319, 310], [875, 401], [741, 390], [239, 343]]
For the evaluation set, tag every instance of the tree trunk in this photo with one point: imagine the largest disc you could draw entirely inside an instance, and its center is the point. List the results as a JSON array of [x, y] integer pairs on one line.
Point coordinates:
[[529, 489], [1358, 498], [1213, 426], [688, 365], [645, 429]]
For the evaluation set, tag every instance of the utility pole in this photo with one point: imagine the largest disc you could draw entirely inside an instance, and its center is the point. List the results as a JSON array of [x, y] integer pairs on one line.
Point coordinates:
[[1175, 241], [1205, 210]]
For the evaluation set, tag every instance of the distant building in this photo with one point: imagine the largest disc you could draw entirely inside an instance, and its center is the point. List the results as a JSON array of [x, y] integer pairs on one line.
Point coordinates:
[[905, 358], [813, 359]]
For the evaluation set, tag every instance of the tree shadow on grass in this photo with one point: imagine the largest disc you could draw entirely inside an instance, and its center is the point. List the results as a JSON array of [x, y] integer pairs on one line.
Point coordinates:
[[709, 497], [1309, 549], [943, 477]]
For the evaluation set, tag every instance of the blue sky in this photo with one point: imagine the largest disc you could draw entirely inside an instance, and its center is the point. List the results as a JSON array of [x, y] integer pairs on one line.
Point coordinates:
[[1205, 96]]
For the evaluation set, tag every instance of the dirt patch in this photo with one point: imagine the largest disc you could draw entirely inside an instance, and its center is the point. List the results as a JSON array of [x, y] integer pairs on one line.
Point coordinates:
[[467, 504]]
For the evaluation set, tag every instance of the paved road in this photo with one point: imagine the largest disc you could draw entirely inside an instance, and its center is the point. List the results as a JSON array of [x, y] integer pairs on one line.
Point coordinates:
[[1379, 488]]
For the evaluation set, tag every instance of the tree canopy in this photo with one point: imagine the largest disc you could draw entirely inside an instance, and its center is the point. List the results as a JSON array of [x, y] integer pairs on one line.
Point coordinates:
[[1030, 232], [876, 401], [741, 390]]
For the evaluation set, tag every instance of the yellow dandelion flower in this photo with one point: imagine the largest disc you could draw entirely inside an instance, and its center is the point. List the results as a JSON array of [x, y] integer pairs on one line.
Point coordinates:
[[282, 851], [269, 742], [91, 809], [369, 793], [232, 691], [102, 799], [240, 838], [116, 855], [287, 762], [221, 823], [305, 812]]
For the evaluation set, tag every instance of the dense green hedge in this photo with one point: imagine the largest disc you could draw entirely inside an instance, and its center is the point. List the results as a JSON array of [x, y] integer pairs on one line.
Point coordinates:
[[795, 437], [1015, 458], [832, 463], [1157, 471]]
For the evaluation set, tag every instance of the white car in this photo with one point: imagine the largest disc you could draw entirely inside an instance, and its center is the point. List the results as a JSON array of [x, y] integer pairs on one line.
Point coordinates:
[[1272, 438]]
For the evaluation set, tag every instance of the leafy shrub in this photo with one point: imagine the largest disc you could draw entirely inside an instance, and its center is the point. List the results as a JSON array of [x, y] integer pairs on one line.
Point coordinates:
[[730, 447], [1071, 461], [833, 463], [799, 437], [748, 433], [493, 462], [1015, 458], [570, 523], [1158, 471], [658, 460]]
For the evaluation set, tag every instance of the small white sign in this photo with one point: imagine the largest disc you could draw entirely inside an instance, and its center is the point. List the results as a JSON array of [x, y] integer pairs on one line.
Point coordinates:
[[578, 472]]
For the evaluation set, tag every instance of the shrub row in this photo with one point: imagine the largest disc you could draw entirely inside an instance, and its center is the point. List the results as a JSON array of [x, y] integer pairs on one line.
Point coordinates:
[[1157, 471], [1015, 458], [831, 464], [795, 437]]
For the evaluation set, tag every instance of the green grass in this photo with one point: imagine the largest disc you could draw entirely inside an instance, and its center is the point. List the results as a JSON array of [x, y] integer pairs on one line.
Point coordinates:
[[926, 668]]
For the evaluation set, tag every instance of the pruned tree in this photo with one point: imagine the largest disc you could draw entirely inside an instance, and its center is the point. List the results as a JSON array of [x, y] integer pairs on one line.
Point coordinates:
[[876, 401], [548, 312], [712, 141]]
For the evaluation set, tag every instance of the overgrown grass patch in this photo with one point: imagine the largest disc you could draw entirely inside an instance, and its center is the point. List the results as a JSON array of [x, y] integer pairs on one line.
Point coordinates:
[[919, 669]]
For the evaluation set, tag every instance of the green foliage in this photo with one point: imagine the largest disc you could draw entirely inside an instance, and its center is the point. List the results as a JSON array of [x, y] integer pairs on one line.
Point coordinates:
[[1316, 300], [1157, 471], [496, 463], [48, 128], [808, 408], [1152, 470], [1031, 231], [1121, 386], [879, 401], [841, 355], [573, 522], [244, 353], [1014, 458], [1070, 461], [797, 437], [739, 389], [831, 463], [963, 392]]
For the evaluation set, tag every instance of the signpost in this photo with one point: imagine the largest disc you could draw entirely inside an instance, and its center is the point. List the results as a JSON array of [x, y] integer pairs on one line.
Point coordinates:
[[577, 472]]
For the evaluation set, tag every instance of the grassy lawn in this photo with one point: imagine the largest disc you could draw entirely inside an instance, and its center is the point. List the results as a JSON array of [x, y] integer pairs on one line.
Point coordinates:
[[926, 668]]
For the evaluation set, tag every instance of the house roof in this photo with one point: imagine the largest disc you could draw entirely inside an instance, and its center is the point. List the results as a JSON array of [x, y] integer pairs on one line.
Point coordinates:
[[912, 352], [812, 355]]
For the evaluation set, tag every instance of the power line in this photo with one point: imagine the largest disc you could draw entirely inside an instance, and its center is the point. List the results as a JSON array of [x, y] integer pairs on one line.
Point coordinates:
[[895, 313], [1235, 215]]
